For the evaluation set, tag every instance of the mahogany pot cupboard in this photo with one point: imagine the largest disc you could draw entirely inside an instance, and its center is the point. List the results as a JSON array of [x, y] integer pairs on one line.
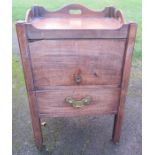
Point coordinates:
[[76, 62]]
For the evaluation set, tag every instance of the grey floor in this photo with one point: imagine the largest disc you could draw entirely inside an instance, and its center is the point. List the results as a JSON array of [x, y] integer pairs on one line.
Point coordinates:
[[79, 135]]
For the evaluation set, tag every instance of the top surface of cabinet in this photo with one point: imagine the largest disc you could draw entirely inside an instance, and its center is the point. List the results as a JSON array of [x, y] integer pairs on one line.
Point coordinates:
[[75, 16], [76, 23]]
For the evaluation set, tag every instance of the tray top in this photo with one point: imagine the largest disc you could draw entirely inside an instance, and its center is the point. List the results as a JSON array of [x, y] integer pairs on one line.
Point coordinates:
[[76, 23], [40, 18]]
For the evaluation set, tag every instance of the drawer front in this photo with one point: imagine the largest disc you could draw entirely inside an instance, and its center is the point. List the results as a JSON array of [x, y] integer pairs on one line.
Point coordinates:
[[53, 103], [58, 62]]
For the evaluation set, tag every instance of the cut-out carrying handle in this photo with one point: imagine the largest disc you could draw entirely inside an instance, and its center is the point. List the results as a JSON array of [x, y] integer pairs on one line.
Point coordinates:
[[75, 9]]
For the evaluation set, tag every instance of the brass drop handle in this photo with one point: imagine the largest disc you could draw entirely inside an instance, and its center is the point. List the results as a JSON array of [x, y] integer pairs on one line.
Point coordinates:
[[78, 103]]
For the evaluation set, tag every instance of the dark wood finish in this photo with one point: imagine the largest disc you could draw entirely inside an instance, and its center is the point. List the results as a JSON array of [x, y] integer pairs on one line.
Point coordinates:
[[24, 51], [64, 12], [44, 34], [67, 54], [52, 102], [56, 62], [51, 26], [125, 79], [76, 23]]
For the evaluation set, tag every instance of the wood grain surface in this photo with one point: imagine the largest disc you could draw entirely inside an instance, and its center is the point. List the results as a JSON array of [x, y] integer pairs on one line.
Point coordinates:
[[34, 33], [76, 23], [52, 102], [125, 81], [96, 61], [24, 52], [59, 46], [74, 11]]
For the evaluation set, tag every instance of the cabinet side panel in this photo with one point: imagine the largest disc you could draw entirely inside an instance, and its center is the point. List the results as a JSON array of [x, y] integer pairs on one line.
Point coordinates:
[[23, 45], [125, 80]]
